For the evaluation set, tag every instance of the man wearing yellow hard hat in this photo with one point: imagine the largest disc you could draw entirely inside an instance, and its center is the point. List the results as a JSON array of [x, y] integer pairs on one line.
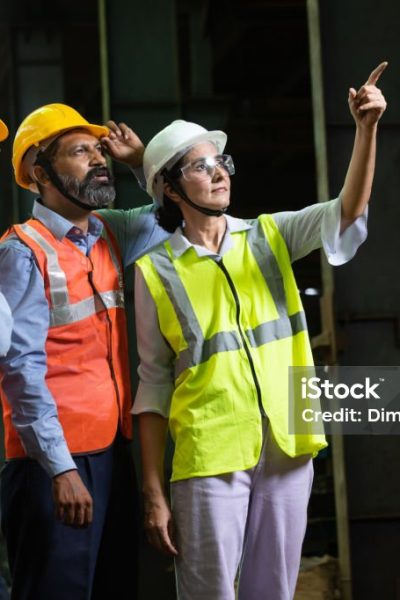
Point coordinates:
[[5, 313], [66, 387]]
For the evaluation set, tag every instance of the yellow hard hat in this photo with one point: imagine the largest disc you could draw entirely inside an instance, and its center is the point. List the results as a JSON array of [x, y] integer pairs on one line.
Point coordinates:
[[45, 123], [3, 131]]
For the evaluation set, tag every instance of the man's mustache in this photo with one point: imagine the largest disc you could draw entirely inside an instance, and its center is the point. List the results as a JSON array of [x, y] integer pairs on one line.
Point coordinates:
[[99, 172]]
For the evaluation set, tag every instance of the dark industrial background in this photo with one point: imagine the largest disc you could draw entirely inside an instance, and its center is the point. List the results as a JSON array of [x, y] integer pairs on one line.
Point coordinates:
[[245, 66]]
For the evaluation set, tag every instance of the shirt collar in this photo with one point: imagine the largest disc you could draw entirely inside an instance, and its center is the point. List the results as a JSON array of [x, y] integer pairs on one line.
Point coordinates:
[[179, 243], [61, 227]]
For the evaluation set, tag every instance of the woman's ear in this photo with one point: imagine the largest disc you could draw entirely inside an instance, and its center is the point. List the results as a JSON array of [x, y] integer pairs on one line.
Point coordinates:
[[171, 193]]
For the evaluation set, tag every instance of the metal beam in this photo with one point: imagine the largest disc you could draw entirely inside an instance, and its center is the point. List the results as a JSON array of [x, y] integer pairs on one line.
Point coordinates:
[[328, 336]]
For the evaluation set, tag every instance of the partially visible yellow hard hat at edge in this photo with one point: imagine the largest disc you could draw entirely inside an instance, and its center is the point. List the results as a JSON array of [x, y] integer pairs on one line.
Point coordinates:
[[46, 123], [3, 131]]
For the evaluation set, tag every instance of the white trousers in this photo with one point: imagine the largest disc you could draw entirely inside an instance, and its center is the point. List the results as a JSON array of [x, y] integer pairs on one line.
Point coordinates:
[[252, 522]]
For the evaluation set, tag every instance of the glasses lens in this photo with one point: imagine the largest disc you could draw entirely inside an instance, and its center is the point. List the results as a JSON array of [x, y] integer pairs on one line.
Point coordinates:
[[227, 163], [204, 168]]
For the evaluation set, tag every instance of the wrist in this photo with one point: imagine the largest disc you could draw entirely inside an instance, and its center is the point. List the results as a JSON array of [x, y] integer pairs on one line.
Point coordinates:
[[153, 492], [367, 129], [59, 475], [135, 161]]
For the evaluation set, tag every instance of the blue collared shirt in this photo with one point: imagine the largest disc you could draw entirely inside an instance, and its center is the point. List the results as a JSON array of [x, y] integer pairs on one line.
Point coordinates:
[[24, 367]]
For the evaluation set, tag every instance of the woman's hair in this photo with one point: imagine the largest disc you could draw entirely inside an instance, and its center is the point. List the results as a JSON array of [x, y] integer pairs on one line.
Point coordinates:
[[169, 216]]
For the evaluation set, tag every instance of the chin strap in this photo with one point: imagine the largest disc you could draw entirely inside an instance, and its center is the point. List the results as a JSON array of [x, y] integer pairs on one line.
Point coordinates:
[[43, 162], [210, 212]]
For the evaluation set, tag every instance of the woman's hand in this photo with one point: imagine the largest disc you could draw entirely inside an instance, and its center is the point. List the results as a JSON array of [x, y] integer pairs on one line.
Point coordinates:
[[158, 523], [368, 104]]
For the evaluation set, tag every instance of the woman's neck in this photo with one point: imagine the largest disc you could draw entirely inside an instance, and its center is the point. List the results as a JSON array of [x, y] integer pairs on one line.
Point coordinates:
[[206, 231]]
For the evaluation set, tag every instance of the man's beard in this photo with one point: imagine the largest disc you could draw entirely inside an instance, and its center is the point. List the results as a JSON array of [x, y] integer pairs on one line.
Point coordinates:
[[95, 194]]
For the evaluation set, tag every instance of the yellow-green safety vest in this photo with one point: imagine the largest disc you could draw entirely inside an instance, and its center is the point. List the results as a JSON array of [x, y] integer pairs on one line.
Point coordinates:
[[236, 325]]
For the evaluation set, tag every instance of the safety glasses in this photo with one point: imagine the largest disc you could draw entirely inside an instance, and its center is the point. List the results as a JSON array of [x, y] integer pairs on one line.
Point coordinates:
[[204, 168]]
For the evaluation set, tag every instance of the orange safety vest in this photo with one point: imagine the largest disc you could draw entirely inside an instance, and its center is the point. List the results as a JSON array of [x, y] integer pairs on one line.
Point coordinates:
[[86, 346]]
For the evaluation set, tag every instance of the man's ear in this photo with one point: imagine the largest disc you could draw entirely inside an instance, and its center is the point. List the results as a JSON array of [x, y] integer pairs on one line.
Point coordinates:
[[171, 193], [40, 176]]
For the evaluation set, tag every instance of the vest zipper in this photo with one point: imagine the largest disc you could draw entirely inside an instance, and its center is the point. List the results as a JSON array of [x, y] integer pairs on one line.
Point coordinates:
[[110, 352], [242, 335]]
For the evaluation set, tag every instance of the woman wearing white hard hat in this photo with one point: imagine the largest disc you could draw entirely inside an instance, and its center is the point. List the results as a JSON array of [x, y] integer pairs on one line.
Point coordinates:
[[219, 323]]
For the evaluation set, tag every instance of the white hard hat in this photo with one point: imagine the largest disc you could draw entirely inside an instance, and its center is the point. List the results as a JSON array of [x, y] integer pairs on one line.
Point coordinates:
[[169, 145]]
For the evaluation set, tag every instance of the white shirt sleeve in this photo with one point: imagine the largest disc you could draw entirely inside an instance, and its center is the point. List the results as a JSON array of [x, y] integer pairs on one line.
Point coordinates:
[[156, 368], [318, 226]]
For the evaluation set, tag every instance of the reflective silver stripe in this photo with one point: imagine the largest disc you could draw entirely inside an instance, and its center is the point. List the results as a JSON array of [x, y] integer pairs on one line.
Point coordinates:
[[268, 266], [72, 313], [298, 322], [199, 349], [285, 326], [180, 301], [117, 265], [61, 311], [277, 330], [224, 341], [57, 278]]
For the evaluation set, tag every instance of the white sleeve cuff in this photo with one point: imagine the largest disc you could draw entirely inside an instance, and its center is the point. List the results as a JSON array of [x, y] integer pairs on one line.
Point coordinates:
[[340, 248], [153, 398]]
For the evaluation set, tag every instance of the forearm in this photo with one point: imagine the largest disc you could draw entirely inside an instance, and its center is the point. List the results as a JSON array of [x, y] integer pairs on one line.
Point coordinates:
[[153, 434], [34, 413], [157, 513], [357, 187]]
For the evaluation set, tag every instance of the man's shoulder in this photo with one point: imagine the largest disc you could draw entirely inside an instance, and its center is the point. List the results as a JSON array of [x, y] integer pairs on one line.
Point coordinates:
[[11, 243]]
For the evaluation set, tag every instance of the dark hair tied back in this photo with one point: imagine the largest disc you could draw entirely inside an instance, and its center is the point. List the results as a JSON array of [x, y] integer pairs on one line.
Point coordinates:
[[169, 216]]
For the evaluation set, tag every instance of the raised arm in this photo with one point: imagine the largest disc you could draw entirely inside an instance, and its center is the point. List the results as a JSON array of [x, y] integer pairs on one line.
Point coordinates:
[[135, 229], [366, 106]]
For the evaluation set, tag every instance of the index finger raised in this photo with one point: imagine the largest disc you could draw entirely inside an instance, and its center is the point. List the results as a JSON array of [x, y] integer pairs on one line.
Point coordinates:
[[376, 73]]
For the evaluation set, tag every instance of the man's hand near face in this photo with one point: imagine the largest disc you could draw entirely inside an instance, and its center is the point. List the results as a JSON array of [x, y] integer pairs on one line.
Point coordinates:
[[123, 145]]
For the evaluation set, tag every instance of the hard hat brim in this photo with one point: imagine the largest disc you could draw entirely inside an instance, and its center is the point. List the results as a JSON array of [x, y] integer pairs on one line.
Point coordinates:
[[3, 131]]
